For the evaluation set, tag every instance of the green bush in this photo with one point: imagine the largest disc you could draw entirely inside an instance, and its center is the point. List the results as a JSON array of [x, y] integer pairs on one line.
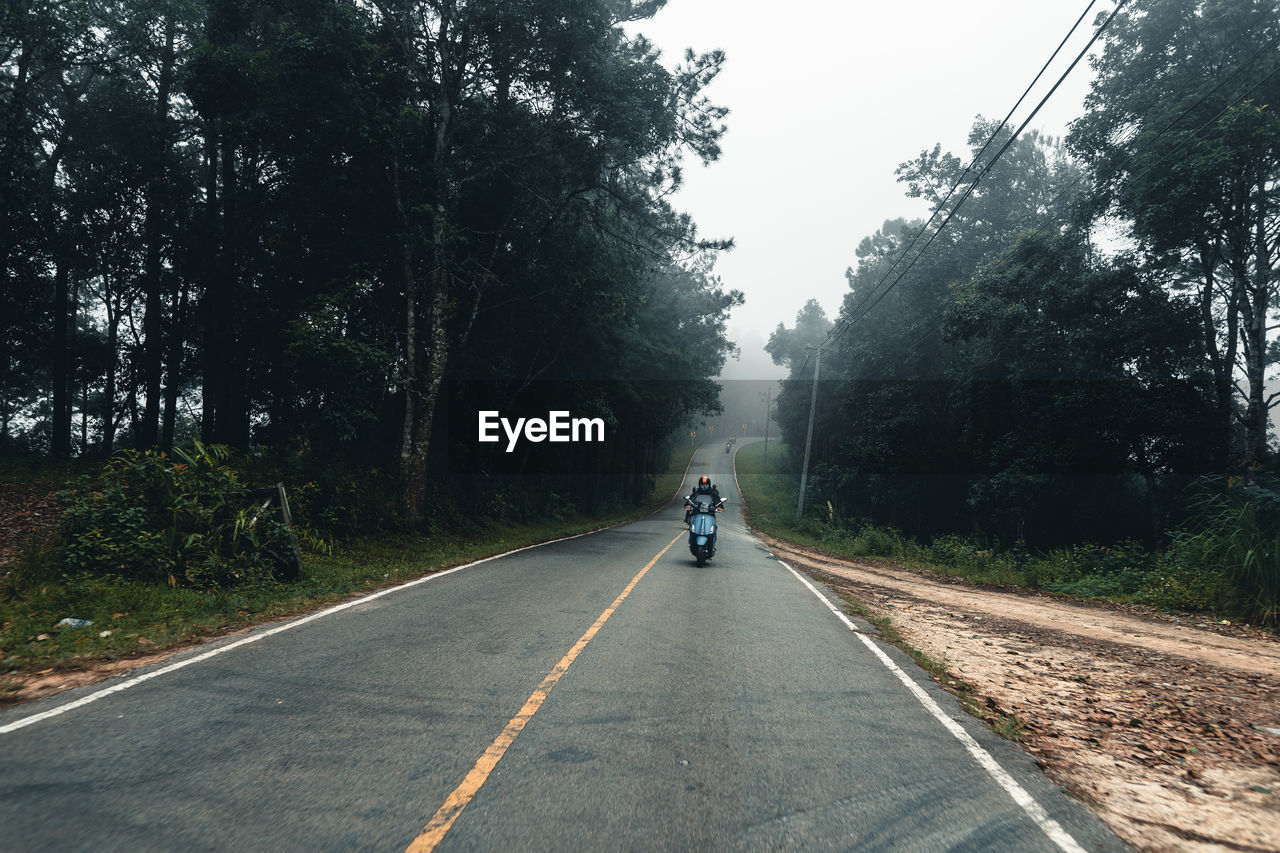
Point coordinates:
[[956, 552], [859, 539], [1230, 551], [877, 542], [185, 520], [328, 498], [1118, 572], [1179, 588]]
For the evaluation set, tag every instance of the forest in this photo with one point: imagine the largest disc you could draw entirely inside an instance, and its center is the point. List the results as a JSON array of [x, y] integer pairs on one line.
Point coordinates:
[[320, 229], [1077, 346]]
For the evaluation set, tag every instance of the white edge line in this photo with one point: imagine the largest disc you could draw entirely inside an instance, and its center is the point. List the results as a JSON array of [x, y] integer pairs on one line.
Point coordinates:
[[1034, 810], [260, 635], [683, 479]]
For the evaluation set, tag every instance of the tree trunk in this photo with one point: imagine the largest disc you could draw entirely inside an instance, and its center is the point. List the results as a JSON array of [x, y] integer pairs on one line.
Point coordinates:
[[1221, 368], [10, 145], [1255, 368], [414, 468], [433, 380], [153, 338], [61, 439], [208, 304], [226, 410], [411, 498], [78, 371], [233, 415], [84, 414], [108, 413], [1260, 294], [173, 372]]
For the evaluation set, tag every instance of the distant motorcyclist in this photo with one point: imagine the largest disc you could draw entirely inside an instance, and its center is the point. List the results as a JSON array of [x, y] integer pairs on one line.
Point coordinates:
[[703, 491]]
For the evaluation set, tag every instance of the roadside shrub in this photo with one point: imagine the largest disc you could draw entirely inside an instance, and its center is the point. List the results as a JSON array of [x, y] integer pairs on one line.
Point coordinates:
[[346, 501], [877, 542], [183, 520], [329, 498], [1235, 535], [956, 552], [1095, 571], [862, 539], [1179, 588]]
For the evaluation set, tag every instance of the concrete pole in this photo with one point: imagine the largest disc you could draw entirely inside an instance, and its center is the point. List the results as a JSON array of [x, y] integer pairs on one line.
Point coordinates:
[[768, 398], [808, 441]]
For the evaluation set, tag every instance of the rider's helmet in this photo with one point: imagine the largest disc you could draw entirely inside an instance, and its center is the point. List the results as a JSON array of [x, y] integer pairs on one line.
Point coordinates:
[[704, 483]]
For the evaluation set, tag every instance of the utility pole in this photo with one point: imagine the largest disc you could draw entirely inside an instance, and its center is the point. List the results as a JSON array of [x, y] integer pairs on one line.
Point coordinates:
[[808, 441], [768, 398]]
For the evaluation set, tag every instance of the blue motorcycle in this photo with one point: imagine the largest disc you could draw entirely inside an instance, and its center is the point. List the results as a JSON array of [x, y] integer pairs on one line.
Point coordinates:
[[702, 527]]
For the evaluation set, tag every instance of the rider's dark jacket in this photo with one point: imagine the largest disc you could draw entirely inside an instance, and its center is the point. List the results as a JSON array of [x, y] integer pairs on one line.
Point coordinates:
[[710, 490]]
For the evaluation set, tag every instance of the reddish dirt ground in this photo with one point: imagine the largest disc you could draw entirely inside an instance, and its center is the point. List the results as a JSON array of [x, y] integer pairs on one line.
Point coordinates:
[[1168, 726]]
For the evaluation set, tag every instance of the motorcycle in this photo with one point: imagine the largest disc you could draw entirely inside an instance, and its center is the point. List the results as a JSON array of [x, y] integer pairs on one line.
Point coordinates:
[[727, 445], [702, 528]]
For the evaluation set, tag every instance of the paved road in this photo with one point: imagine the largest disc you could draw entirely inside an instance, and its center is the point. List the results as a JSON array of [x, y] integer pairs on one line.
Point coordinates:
[[718, 708]]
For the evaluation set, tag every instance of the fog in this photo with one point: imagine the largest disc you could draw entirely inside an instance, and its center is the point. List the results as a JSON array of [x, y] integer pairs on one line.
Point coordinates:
[[826, 100]]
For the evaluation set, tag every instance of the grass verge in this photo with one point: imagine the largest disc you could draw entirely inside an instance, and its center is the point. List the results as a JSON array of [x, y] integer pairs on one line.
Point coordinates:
[[131, 618], [1124, 573]]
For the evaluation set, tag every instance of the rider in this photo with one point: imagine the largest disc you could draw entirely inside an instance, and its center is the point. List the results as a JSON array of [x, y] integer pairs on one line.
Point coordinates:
[[704, 488]]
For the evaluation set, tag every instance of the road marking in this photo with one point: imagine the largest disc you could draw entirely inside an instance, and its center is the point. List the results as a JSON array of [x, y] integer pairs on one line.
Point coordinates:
[[433, 833], [1034, 810], [259, 635], [683, 479]]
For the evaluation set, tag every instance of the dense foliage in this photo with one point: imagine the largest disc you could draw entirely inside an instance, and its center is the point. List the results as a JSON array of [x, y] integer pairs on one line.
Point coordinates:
[[1087, 342], [185, 519], [313, 224]]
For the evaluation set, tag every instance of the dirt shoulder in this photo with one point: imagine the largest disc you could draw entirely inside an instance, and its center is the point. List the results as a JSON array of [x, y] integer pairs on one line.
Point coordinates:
[[1169, 727]]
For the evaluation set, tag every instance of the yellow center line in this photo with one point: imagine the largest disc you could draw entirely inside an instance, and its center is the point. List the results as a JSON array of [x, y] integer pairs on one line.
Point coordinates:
[[433, 833]]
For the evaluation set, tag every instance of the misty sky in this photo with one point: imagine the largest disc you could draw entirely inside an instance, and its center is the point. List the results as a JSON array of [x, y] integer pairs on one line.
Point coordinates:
[[827, 99]]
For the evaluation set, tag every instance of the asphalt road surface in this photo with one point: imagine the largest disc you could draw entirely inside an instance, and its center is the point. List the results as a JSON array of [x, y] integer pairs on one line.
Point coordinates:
[[727, 707]]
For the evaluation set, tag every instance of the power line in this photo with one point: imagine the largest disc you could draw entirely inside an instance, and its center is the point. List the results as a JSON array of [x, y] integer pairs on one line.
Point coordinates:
[[872, 300], [1141, 147], [1151, 140], [1146, 144], [978, 157], [839, 328]]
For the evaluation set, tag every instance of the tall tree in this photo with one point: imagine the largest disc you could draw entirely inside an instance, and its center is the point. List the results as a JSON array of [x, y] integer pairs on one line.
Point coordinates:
[[1068, 382], [48, 53], [292, 223], [790, 348], [587, 104], [1183, 139]]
